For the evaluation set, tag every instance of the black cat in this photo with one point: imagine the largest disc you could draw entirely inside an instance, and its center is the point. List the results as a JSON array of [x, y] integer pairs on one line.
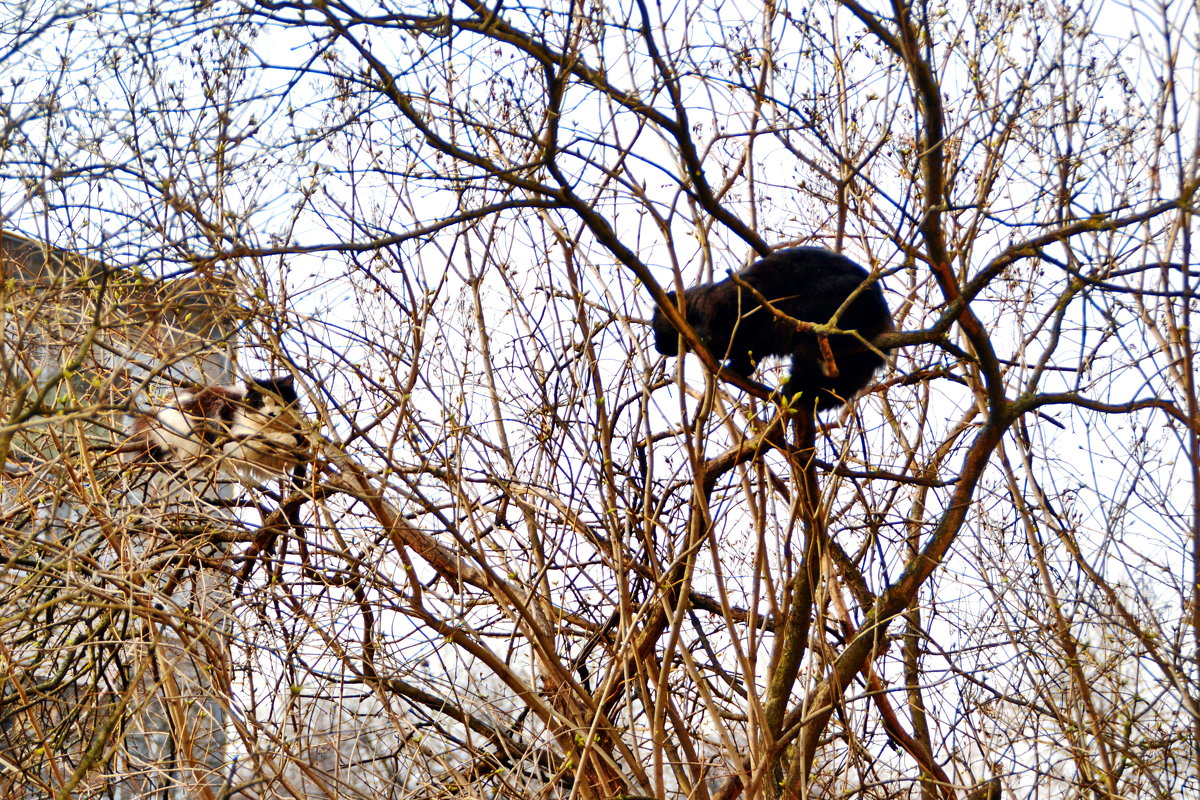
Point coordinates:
[[805, 283]]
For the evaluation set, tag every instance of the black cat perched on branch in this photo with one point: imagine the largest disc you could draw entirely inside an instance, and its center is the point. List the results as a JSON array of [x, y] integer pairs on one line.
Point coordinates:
[[808, 284]]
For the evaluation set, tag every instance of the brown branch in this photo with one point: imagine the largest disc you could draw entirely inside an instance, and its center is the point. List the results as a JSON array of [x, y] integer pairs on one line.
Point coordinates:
[[891, 723], [892, 602]]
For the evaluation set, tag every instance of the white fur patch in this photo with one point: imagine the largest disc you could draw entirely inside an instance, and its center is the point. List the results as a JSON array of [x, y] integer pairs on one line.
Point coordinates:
[[173, 430]]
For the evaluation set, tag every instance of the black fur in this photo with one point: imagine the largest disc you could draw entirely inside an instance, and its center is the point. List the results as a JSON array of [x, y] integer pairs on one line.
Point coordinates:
[[805, 283]]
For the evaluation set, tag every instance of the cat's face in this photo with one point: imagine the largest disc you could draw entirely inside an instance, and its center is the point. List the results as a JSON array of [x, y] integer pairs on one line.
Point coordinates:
[[278, 391]]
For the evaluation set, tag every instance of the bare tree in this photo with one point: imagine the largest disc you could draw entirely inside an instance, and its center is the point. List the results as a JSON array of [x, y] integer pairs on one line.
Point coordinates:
[[531, 558]]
